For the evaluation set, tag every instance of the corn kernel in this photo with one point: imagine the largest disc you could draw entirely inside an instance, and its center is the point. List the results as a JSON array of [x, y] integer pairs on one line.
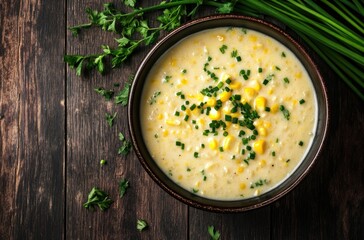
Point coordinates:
[[180, 177], [258, 122], [267, 124], [260, 103], [226, 110], [298, 75], [262, 131], [214, 115], [249, 93], [258, 146], [224, 96], [242, 186], [184, 81], [235, 85], [227, 142], [274, 108], [165, 133], [172, 62], [201, 121], [197, 184], [243, 100], [270, 91], [256, 86], [262, 163], [211, 102], [160, 116], [253, 38], [160, 102], [173, 122], [240, 169], [212, 144]]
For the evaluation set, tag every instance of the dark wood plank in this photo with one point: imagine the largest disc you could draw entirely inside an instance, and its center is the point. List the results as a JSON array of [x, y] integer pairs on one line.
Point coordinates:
[[32, 123], [91, 139], [329, 203]]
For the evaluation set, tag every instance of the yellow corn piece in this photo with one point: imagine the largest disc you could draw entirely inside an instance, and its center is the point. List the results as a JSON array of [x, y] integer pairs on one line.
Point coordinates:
[[274, 108], [262, 131], [212, 144], [267, 124], [235, 85], [262, 163], [256, 86], [226, 110], [249, 93], [201, 121], [199, 97], [242, 186], [270, 91], [172, 62], [258, 122], [253, 38], [298, 75], [160, 116], [227, 142], [224, 96], [173, 122], [240, 169], [165, 133], [260, 103], [211, 102], [214, 115], [258, 146], [184, 81]]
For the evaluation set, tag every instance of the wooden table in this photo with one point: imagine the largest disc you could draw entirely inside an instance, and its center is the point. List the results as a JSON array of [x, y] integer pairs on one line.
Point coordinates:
[[53, 135]]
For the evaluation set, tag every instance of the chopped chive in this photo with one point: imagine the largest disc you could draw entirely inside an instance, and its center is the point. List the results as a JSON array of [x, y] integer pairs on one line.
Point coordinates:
[[300, 143], [238, 58], [228, 118], [176, 113], [183, 146], [186, 118], [302, 101], [188, 169], [221, 149], [184, 71], [265, 82], [248, 148], [225, 134], [253, 137], [202, 145], [235, 120], [273, 153], [193, 106], [283, 54], [278, 68], [260, 70], [286, 80], [267, 109], [183, 107], [228, 81], [187, 102], [195, 154], [223, 48], [241, 133], [178, 143]]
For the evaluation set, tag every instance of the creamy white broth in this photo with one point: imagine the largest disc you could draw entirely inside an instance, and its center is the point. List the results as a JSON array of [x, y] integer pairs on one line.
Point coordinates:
[[237, 156]]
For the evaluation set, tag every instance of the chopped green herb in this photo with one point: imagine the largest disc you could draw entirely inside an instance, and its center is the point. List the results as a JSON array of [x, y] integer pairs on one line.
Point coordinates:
[[152, 99], [259, 183], [194, 190], [273, 153], [302, 101], [285, 112], [102, 162], [141, 224], [267, 109], [188, 169], [223, 48], [107, 94], [110, 119], [98, 198], [300, 143], [166, 79], [123, 185], [278, 68], [184, 71], [123, 95], [176, 113], [286, 80], [260, 70], [283, 54], [215, 235], [125, 147], [195, 154], [268, 79], [234, 53]]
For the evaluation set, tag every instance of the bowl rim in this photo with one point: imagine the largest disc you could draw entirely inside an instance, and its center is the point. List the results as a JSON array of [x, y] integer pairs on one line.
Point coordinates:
[[190, 198]]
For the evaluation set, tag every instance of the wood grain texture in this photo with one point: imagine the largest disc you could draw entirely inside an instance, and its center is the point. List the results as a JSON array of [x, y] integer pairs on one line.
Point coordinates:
[[32, 126], [90, 139], [53, 134]]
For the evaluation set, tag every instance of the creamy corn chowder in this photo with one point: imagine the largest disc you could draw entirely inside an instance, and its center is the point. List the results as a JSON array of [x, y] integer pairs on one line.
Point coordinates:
[[228, 113]]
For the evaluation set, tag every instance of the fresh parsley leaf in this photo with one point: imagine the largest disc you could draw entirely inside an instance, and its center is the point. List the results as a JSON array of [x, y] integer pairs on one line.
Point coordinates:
[[227, 7], [110, 119], [98, 198], [141, 224], [123, 185], [125, 148], [123, 95], [215, 235], [285, 112], [107, 94], [152, 99]]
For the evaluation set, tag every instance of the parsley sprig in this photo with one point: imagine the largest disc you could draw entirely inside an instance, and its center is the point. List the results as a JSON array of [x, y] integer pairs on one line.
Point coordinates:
[[215, 235], [97, 198]]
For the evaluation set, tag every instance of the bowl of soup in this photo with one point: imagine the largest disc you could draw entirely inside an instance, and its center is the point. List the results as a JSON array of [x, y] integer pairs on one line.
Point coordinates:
[[228, 113]]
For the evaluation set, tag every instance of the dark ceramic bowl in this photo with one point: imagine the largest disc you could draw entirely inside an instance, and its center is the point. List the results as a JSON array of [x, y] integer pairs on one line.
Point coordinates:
[[161, 178]]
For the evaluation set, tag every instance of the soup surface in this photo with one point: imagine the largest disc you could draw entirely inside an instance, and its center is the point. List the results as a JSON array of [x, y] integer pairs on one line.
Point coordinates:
[[228, 113]]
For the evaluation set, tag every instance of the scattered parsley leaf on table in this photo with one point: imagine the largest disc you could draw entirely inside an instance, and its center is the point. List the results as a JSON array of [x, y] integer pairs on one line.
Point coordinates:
[[123, 95], [141, 224], [123, 185], [110, 119], [107, 94], [98, 198], [215, 235], [125, 147]]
